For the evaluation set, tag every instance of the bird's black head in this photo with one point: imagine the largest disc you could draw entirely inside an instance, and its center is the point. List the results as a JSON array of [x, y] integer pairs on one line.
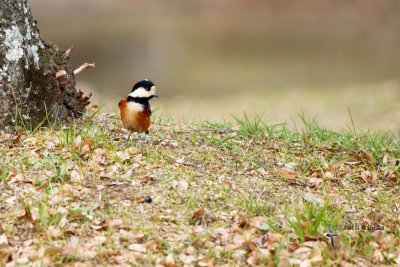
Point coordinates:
[[146, 84], [143, 91]]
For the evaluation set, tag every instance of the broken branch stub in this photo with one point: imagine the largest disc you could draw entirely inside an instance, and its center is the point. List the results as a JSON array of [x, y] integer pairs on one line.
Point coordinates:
[[84, 67]]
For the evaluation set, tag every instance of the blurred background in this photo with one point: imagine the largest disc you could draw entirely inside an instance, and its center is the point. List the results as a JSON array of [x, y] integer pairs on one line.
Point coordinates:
[[212, 59]]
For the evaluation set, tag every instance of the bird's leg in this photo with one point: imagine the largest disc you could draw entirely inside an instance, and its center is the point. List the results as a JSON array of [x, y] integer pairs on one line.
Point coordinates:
[[142, 141], [126, 142]]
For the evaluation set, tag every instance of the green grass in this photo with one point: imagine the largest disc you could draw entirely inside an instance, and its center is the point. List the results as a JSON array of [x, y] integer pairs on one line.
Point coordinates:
[[76, 194]]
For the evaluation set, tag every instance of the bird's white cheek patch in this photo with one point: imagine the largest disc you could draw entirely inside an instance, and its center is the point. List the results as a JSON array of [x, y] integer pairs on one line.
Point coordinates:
[[134, 107], [140, 92]]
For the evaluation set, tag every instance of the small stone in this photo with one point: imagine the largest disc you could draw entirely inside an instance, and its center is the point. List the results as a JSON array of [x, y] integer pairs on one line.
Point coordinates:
[[148, 199]]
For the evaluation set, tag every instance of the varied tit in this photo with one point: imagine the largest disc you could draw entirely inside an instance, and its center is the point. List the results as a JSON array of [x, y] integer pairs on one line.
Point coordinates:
[[135, 108]]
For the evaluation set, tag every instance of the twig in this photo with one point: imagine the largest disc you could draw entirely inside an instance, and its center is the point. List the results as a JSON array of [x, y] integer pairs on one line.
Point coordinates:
[[67, 54], [84, 67], [61, 73]]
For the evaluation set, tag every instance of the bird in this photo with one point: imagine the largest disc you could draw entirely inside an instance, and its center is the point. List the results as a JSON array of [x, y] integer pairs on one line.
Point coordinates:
[[135, 108]]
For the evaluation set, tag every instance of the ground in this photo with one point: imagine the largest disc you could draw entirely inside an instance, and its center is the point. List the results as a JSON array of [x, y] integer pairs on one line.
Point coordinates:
[[201, 194]]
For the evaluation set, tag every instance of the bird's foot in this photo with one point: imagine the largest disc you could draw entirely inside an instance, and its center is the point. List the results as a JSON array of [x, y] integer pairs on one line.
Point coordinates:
[[139, 146], [126, 142]]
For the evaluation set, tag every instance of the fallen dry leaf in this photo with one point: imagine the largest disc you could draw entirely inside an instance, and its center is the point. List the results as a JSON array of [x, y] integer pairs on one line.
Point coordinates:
[[137, 247], [183, 185], [3, 239], [369, 176], [76, 176], [102, 225], [285, 173], [187, 259], [53, 233], [30, 140], [170, 261], [97, 241], [198, 214], [249, 245], [315, 181], [377, 256], [78, 141], [258, 257], [27, 216], [299, 262], [5, 254], [205, 262], [151, 244]]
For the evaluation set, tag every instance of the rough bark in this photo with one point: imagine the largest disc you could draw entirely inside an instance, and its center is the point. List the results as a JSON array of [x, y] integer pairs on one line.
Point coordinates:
[[29, 89]]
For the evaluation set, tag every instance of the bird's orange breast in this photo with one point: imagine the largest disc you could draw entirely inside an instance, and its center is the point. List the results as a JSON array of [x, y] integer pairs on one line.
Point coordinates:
[[133, 118]]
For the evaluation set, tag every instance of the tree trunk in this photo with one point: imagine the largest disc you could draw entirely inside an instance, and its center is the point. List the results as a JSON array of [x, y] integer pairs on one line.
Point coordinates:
[[29, 90]]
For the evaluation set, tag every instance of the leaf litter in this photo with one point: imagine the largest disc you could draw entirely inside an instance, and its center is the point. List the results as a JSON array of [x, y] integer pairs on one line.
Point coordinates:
[[194, 197]]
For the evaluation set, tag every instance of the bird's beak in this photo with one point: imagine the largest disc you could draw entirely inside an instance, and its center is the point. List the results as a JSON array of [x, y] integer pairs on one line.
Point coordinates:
[[153, 92]]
